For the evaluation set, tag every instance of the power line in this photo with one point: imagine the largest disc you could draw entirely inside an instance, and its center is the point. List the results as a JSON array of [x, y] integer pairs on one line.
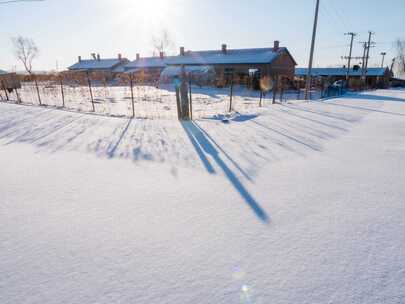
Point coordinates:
[[339, 16], [15, 1]]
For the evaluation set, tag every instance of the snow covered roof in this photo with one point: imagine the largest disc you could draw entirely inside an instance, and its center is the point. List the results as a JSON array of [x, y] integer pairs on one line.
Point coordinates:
[[3, 72], [147, 62], [340, 72], [232, 56], [171, 71], [94, 64]]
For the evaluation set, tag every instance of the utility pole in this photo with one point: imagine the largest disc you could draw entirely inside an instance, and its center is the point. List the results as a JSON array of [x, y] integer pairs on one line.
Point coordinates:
[[370, 33], [349, 59], [383, 57], [311, 56], [363, 61]]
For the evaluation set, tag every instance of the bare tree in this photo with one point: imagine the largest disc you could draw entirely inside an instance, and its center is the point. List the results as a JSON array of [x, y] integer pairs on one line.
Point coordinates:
[[26, 51], [400, 59], [162, 43]]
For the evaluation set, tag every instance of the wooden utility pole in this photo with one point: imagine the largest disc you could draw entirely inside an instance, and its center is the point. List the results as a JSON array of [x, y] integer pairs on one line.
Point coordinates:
[[349, 59], [363, 60], [383, 58], [311, 56], [370, 33]]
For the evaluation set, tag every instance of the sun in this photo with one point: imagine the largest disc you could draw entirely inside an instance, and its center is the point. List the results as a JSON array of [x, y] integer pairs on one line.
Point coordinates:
[[138, 21], [151, 11]]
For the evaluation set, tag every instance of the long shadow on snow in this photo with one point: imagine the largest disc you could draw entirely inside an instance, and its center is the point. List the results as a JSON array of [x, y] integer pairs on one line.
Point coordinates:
[[323, 114], [361, 108], [369, 97], [111, 152], [204, 148], [299, 141]]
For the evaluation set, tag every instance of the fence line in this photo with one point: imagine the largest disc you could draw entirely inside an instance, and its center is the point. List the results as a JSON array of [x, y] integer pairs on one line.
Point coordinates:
[[130, 97]]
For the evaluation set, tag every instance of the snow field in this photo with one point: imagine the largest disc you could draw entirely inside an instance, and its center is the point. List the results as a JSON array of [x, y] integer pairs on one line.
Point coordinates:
[[297, 203]]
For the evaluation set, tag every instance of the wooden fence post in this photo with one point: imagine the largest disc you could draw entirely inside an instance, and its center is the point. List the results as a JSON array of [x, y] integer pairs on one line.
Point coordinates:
[[61, 90], [131, 82], [178, 102], [5, 90], [275, 88], [191, 98], [36, 86], [261, 98], [281, 91], [18, 97], [231, 97], [91, 92]]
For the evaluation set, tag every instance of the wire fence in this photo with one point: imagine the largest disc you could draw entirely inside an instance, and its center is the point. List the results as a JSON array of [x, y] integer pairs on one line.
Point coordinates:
[[127, 97]]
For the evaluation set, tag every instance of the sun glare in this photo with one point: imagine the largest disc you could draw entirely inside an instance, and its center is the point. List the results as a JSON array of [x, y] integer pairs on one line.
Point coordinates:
[[146, 17], [147, 10]]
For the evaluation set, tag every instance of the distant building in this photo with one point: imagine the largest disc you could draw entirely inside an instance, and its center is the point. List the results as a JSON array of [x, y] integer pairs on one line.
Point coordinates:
[[107, 66], [9, 81], [201, 75], [376, 77], [238, 64], [145, 68]]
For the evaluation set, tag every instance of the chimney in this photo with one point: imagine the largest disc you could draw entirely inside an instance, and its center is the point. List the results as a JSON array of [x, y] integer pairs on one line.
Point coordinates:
[[80, 58], [119, 57], [224, 49], [276, 45], [161, 55], [182, 52], [138, 56], [98, 57]]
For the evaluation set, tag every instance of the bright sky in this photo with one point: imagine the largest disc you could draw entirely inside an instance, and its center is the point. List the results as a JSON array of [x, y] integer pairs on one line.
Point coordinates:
[[64, 29]]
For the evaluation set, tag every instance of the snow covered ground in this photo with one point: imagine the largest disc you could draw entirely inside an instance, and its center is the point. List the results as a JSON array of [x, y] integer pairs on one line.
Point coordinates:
[[297, 203]]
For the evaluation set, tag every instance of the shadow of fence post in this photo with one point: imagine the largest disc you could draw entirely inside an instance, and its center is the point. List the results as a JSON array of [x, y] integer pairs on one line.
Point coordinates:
[[204, 147]]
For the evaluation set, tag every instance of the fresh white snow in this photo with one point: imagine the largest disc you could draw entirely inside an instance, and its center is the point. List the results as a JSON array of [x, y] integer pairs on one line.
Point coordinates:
[[295, 203], [149, 101]]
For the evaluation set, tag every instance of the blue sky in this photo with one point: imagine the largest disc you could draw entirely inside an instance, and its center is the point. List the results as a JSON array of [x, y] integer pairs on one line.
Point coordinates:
[[64, 29]]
